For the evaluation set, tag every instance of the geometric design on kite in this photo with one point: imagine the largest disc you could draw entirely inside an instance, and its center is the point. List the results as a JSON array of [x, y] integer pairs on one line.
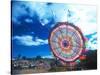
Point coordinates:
[[66, 41]]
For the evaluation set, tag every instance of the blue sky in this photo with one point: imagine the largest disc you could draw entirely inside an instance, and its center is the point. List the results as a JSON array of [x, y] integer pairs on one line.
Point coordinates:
[[32, 23]]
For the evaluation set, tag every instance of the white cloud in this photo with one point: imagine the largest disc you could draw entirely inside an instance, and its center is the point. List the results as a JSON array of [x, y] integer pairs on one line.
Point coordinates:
[[27, 40], [46, 13], [43, 12], [44, 22], [48, 56], [84, 17], [92, 43], [28, 20], [59, 13], [18, 10]]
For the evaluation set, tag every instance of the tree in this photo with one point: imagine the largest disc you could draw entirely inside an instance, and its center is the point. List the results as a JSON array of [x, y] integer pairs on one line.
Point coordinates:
[[38, 57], [24, 58], [19, 56]]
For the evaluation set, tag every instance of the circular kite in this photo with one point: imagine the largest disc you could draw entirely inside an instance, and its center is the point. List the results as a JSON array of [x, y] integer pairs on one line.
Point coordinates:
[[66, 41]]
